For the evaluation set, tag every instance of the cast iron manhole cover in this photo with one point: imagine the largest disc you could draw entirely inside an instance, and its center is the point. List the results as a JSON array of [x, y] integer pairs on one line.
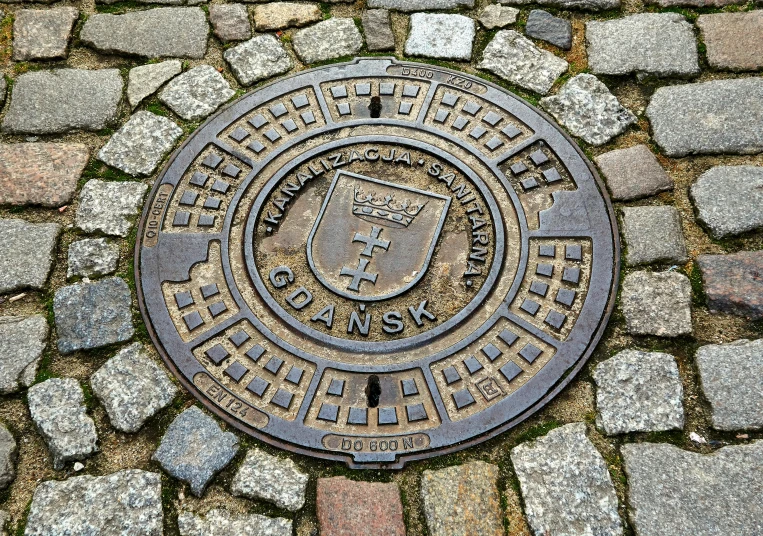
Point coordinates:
[[377, 262]]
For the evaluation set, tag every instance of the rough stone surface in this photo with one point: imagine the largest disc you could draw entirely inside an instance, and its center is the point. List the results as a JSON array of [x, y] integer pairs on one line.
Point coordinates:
[[57, 407], [440, 36], [378, 31], [720, 116], [174, 32], [730, 376], [194, 449], [22, 340], [660, 44], [230, 22], [350, 507], [8, 455], [144, 80], [633, 173], [543, 25], [328, 40], [734, 40], [196, 93], [462, 499], [26, 253], [497, 16], [220, 522], [109, 207], [40, 173], [565, 484], [638, 392], [92, 257], [680, 493], [91, 315], [280, 15], [419, 5], [257, 59], [515, 58], [733, 283], [51, 102], [273, 479], [590, 5], [3, 89], [657, 303], [140, 145], [132, 388], [653, 234], [586, 107], [694, 3], [42, 34], [120, 504], [728, 199]]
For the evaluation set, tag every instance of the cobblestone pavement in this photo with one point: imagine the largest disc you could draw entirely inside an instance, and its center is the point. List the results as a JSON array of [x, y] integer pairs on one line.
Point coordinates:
[[659, 433]]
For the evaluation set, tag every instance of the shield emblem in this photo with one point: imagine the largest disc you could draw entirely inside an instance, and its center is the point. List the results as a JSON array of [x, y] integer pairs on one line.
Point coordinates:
[[373, 239]]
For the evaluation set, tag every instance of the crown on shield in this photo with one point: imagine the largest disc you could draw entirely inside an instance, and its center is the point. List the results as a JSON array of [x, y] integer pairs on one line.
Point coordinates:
[[386, 210]]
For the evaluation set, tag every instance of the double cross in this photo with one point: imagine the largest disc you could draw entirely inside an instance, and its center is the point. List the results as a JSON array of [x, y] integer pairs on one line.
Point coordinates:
[[359, 274]]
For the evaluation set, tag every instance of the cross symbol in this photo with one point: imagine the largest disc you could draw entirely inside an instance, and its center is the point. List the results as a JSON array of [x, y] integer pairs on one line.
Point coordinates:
[[359, 274], [371, 242]]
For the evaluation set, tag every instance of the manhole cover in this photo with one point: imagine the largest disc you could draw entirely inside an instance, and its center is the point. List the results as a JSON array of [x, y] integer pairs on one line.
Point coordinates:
[[377, 262]]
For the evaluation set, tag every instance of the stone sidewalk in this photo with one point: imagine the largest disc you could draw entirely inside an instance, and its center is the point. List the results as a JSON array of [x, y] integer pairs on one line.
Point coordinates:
[[659, 434]]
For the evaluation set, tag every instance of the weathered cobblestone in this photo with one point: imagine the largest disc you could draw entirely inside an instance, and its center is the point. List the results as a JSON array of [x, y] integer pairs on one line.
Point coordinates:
[[91, 315], [194, 449], [122, 503], [279, 15], [653, 234], [140, 145], [40, 173], [638, 392], [22, 340], [51, 102], [730, 377], [592, 5], [449, 500], [672, 491], [273, 479], [8, 457], [720, 116], [440, 36], [734, 41], [57, 407], [497, 16], [419, 5], [109, 207], [660, 44], [351, 507], [728, 199], [92, 257], [132, 388], [230, 22], [543, 25], [196, 93], [145, 80], [586, 107], [378, 31], [328, 40], [515, 58], [633, 173], [565, 484], [26, 253], [657, 304], [733, 283], [257, 59], [218, 522], [165, 32], [42, 34]]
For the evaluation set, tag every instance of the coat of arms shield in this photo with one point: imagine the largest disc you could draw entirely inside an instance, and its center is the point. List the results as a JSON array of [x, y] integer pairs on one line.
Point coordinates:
[[374, 239]]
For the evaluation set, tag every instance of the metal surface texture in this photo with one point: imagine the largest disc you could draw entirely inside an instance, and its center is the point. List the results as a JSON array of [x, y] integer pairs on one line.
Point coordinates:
[[377, 262]]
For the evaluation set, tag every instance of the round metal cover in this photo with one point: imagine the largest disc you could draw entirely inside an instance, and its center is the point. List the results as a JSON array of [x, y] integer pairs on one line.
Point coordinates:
[[377, 261]]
